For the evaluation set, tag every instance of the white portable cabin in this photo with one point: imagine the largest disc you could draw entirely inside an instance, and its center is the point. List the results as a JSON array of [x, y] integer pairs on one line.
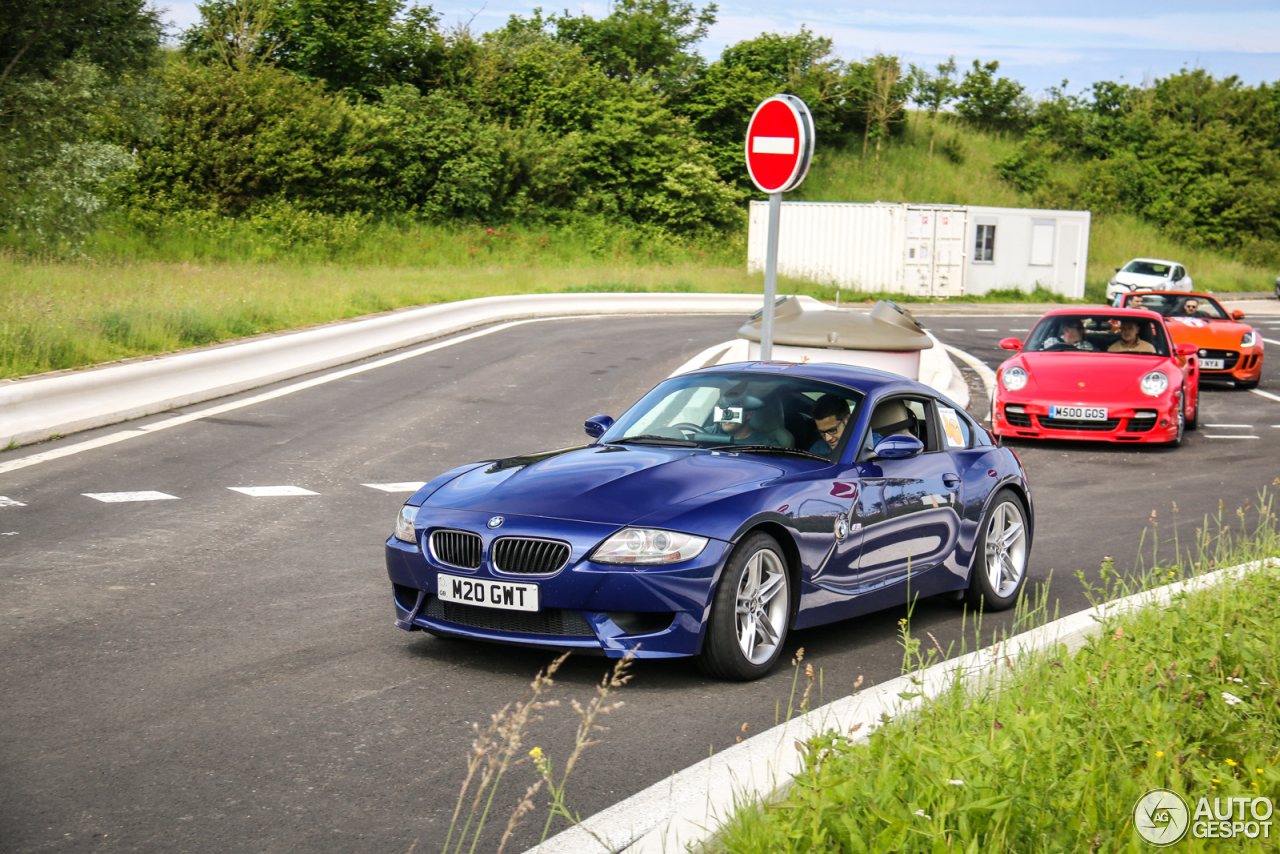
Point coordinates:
[[925, 250]]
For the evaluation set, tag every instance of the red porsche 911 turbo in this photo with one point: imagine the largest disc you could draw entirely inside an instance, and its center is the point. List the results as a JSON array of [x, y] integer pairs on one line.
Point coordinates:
[[1098, 374]]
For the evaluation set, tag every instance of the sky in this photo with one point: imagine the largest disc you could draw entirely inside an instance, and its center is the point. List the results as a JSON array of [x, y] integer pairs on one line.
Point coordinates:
[[1037, 44]]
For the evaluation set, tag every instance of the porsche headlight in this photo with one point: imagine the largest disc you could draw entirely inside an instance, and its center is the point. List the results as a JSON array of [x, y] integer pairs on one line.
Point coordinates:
[[648, 547], [404, 523], [1250, 338], [1013, 378], [1155, 383]]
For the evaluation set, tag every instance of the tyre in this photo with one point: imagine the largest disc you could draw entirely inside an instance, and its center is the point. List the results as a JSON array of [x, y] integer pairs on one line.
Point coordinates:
[[1192, 419], [1000, 557], [1176, 441], [751, 612]]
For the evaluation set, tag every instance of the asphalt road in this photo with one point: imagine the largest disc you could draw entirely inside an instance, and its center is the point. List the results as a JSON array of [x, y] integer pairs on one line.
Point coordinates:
[[216, 671]]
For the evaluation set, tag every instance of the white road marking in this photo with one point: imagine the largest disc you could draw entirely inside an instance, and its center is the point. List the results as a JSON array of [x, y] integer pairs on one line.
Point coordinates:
[[986, 330], [1228, 425], [408, 486], [1271, 341], [112, 438], [1266, 394], [122, 497], [271, 491], [1211, 436], [955, 330], [8, 533], [984, 372], [6, 501], [1019, 330]]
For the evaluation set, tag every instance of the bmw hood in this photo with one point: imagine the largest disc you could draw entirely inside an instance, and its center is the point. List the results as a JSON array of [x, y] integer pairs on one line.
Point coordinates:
[[1077, 377], [607, 484]]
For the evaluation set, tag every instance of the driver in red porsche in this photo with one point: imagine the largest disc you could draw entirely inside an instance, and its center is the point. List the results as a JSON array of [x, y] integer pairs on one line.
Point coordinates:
[[1070, 333]]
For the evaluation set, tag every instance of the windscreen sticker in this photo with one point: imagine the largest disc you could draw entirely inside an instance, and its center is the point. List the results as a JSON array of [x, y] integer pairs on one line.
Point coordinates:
[[951, 426]]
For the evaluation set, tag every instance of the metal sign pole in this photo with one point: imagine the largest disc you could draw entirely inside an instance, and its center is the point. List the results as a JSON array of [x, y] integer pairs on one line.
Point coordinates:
[[770, 277]]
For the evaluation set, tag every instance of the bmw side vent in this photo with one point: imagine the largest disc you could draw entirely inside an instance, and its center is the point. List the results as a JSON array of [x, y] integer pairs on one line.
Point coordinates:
[[525, 556], [457, 548]]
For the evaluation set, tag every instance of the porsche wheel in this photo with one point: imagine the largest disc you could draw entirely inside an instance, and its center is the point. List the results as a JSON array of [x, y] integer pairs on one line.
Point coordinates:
[[1176, 441], [750, 614], [1000, 558], [1192, 412]]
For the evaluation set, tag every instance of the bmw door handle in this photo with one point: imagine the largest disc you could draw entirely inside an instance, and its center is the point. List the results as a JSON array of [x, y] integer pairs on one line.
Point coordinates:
[[951, 481]]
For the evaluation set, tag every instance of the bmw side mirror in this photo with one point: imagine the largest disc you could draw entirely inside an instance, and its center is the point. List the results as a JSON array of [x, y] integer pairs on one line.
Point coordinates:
[[1237, 314], [1010, 344], [902, 447], [596, 425], [1187, 349]]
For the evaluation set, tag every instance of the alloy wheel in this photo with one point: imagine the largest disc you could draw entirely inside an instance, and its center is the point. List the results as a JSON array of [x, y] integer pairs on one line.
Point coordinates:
[[1006, 543], [761, 606]]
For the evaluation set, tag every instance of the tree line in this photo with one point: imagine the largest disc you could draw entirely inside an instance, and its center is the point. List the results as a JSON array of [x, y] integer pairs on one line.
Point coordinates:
[[288, 109]]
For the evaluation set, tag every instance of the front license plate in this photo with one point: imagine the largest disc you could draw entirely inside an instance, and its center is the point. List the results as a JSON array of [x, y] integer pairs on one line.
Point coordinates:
[[488, 594], [1213, 364], [1079, 413]]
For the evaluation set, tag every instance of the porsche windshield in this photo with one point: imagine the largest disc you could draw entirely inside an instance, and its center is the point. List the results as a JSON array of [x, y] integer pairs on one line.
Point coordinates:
[[749, 411], [1098, 333]]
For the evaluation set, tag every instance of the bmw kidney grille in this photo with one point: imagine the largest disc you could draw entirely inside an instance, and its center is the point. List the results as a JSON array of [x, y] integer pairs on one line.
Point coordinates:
[[527, 556], [457, 548]]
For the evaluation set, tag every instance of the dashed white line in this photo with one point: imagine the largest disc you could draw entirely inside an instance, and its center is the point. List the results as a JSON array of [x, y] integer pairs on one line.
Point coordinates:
[[122, 497], [6, 501], [271, 491], [955, 330], [408, 486], [8, 533], [986, 330], [1268, 395], [1271, 341], [1228, 425], [1235, 436]]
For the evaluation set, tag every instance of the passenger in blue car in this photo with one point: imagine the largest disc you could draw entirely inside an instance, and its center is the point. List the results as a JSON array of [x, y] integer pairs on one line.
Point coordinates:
[[830, 416], [733, 415]]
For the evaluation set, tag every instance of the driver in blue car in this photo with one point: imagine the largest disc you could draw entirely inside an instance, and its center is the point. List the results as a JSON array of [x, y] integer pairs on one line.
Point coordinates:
[[830, 416], [733, 414], [1070, 334]]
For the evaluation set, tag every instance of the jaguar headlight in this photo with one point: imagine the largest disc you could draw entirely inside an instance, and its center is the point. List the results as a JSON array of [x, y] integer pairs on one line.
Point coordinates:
[[1155, 384], [648, 547], [404, 523], [1250, 338], [1013, 378]]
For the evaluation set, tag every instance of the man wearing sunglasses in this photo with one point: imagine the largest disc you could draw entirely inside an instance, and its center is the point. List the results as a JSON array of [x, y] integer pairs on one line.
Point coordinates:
[[830, 416]]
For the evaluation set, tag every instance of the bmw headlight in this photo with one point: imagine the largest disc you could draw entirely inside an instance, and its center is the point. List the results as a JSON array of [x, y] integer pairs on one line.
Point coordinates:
[[1155, 383], [648, 547], [404, 523], [1250, 338], [1013, 378]]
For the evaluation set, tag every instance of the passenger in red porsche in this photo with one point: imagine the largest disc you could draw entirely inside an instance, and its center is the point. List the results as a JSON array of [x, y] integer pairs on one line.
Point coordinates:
[[1070, 334], [1129, 341]]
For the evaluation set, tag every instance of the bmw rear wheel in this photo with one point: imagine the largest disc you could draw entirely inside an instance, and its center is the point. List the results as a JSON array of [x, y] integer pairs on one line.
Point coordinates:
[[751, 612], [1000, 559]]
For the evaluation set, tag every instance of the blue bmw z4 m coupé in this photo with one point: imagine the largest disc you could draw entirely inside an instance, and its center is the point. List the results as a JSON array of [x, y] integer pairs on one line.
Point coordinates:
[[725, 508]]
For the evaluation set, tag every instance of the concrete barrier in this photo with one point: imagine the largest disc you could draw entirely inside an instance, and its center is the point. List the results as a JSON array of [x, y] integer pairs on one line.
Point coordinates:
[[35, 408]]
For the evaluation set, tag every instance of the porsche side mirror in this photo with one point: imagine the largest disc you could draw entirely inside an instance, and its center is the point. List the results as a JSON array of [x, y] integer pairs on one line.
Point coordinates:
[[1010, 344], [596, 425], [1187, 349], [901, 447], [1237, 314]]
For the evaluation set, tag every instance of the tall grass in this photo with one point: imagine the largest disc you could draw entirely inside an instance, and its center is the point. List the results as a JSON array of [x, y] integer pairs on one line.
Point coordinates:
[[1053, 755]]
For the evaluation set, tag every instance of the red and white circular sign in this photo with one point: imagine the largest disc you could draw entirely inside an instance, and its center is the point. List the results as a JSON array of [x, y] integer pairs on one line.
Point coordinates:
[[779, 144]]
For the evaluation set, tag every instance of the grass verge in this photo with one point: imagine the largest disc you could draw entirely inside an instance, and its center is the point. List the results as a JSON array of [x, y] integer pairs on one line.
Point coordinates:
[[1054, 756]]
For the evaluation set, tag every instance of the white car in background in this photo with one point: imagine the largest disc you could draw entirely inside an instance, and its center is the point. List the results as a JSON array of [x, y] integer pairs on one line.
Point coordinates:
[[1148, 274]]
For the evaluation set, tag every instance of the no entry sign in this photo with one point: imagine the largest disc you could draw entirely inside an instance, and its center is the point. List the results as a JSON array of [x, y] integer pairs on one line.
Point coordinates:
[[779, 144]]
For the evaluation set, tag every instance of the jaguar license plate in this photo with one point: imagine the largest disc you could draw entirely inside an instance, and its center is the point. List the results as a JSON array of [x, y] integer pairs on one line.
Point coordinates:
[[1079, 413], [1213, 364], [507, 595]]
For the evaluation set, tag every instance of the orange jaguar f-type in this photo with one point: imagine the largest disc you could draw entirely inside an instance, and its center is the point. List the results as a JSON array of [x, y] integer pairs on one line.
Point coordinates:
[[1227, 348]]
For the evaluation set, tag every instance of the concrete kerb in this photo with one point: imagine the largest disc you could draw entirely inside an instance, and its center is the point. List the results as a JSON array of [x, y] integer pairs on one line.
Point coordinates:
[[36, 408], [686, 809]]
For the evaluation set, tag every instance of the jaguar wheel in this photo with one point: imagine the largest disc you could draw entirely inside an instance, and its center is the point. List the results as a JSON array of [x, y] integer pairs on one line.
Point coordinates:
[[1000, 558], [751, 612]]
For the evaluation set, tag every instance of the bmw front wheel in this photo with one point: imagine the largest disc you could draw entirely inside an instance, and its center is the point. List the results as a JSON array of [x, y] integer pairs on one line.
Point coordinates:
[[1000, 558], [751, 612]]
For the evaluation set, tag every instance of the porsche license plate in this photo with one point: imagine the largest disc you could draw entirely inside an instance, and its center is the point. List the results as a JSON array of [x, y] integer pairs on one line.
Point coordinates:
[[506, 595], [1213, 364], [1079, 413]]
